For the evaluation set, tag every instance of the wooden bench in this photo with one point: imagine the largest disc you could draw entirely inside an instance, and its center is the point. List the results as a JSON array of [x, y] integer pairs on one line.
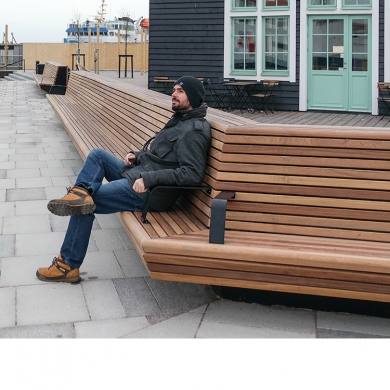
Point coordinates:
[[53, 79], [311, 212]]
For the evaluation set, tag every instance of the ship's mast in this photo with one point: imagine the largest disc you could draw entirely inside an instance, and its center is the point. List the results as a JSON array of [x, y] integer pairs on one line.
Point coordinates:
[[100, 18]]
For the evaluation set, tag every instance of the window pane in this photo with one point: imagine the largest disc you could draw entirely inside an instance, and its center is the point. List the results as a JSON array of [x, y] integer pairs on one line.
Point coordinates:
[[319, 62], [336, 26], [360, 26], [320, 27], [282, 62], [359, 62], [335, 42], [276, 3], [245, 3], [276, 43], [270, 60], [359, 44], [319, 43], [322, 2], [335, 62]]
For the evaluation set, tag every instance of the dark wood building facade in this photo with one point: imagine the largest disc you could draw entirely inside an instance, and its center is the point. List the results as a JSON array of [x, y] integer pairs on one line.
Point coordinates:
[[331, 57]]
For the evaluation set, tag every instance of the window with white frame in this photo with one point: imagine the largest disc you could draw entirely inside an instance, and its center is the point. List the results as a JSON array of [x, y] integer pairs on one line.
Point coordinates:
[[244, 46], [357, 4], [276, 45], [321, 4], [275, 4], [244, 4], [260, 39]]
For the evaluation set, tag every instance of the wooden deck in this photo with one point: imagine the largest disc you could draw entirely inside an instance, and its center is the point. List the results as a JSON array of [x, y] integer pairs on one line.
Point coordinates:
[[317, 118]]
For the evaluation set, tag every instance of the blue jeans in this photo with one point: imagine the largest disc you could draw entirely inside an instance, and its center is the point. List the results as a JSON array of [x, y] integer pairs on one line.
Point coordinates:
[[112, 197]]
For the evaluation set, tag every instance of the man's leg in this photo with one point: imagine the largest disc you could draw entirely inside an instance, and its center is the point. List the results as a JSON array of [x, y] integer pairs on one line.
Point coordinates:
[[99, 164], [115, 196]]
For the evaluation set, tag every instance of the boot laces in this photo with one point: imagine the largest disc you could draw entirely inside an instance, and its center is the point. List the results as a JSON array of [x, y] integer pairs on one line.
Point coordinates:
[[54, 262]]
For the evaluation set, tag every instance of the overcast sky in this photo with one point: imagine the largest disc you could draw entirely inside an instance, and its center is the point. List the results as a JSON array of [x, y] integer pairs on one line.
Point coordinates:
[[47, 20]]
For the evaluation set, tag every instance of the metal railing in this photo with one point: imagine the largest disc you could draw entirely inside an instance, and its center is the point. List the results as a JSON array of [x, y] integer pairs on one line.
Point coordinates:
[[6, 67]]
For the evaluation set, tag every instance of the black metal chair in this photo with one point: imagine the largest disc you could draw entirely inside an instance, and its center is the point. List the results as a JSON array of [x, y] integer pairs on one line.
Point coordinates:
[[384, 96], [222, 98], [266, 95]]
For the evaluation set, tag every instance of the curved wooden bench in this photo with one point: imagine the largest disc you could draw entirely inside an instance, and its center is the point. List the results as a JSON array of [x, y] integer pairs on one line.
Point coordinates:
[[311, 208]]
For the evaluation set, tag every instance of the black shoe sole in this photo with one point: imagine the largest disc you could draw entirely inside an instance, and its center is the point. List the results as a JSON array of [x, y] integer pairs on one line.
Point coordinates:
[[65, 209], [58, 279]]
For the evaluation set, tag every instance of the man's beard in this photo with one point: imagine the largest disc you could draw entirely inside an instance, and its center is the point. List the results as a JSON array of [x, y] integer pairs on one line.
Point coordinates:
[[180, 106]]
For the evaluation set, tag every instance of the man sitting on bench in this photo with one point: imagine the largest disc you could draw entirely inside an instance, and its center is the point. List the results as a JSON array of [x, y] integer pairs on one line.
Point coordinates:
[[175, 156]]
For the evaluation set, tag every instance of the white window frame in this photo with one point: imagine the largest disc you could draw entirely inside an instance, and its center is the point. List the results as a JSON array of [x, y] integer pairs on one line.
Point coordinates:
[[374, 12], [259, 14]]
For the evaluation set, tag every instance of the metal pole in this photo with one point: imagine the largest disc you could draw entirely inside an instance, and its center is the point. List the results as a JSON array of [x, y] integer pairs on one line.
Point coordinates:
[[6, 47]]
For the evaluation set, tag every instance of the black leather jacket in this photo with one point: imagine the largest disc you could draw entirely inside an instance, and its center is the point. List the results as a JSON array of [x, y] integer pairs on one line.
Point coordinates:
[[176, 156]]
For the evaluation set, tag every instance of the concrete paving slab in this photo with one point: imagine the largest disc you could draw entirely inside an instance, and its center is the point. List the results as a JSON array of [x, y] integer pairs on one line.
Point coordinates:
[[38, 243], [7, 209], [131, 264], [126, 240], [31, 182], [212, 330], [20, 271], [7, 245], [51, 303], [63, 182], [136, 297], [108, 221], [26, 224], [300, 322], [7, 183], [15, 194], [109, 328], [174, 297], [30, 164], [353, 323], [108, 239], [100, 265], [7, 306], [102, 300], [31, 207], [52, 331], [182, 326]]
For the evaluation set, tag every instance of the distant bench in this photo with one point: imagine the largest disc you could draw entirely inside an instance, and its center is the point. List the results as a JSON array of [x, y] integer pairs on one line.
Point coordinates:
[[310, 212], [54, 78]]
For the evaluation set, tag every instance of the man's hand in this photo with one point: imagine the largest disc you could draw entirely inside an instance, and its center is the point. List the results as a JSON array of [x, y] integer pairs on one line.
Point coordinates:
[[139, 186], [129, 159]]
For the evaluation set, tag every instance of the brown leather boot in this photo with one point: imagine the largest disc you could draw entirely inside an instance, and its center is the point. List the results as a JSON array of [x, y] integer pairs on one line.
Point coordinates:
[[59, 272], [76, 201]]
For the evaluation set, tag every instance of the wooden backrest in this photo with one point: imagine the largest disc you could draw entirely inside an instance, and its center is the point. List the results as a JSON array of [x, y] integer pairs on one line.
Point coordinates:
[[304, 180], [129, 115], [271, 83], [54, 73]]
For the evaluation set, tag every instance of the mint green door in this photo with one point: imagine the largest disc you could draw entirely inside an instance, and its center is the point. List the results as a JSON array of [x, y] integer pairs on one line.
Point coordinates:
[[339, 53]]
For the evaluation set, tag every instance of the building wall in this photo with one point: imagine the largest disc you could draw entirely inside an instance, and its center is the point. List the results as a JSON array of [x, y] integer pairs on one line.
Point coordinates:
[[186, 38], [108, 54]]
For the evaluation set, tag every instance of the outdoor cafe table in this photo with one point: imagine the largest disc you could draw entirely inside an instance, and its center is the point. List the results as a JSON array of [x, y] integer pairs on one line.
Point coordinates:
[[241, 93]]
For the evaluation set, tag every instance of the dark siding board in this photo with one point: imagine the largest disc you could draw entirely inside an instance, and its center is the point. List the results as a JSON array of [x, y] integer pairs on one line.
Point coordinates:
[[186, 37]]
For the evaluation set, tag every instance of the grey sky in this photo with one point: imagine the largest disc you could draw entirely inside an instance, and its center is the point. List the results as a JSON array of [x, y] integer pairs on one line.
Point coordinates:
[[47, 20]]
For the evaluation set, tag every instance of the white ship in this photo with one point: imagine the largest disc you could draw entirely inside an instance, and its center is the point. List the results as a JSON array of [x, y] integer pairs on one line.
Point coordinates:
[[104, 31]]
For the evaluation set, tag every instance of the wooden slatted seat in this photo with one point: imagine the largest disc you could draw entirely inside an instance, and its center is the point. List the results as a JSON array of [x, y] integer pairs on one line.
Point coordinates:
[[311, 208], [54, 78]]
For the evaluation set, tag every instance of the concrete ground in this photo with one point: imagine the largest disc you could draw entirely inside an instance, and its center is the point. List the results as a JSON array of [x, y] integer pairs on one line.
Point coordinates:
[[116, 297]]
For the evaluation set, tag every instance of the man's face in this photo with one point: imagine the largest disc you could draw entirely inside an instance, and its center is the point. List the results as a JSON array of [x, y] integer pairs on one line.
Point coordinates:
[[179, 99]]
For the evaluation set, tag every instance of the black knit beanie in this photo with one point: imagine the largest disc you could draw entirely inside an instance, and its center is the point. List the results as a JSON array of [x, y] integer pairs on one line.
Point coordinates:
[[194, 90]]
